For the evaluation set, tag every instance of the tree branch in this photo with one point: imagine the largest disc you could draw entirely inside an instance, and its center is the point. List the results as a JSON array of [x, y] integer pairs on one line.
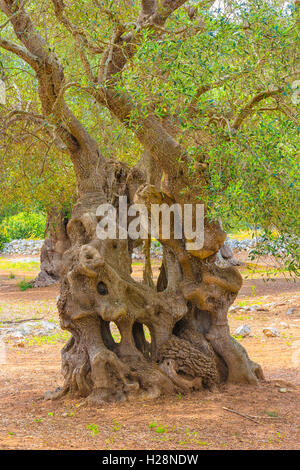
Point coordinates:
[[49, 74], [84, 150], [79, 36], [12, 16], [211, 86], [21, 52], [287, 110], [149, 130], [248, 109]]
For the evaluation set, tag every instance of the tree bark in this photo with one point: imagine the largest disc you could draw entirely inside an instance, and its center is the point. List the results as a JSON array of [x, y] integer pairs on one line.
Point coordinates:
[[54, 246]]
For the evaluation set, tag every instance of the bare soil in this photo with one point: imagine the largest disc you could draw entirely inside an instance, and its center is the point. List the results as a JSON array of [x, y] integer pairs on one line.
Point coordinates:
[[194, 421]]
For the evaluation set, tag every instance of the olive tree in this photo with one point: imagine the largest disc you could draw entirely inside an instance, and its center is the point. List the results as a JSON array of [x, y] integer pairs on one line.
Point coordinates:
[[192, 85]]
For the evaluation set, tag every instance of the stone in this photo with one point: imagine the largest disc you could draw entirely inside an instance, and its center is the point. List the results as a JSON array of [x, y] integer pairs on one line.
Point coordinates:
[[290, 311], [17, 334], [26, 329], [31, 328], [232, 308], [48, 325], [243, 331], [271, 331]]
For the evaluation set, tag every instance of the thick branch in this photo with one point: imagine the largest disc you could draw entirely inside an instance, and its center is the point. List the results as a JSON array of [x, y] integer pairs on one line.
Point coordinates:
[[153, 14], [148, 7], [154, 137], [49, 73], [84, 150], [164, 9]]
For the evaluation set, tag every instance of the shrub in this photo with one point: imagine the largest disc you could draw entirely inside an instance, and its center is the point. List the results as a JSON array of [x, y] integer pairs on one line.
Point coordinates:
[[23, 225], [4, 238], [24, 285]]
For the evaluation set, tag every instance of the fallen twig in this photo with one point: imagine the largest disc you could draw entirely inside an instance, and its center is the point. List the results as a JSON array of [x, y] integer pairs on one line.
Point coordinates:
[[266, 417], [21, 321], [240, 414]]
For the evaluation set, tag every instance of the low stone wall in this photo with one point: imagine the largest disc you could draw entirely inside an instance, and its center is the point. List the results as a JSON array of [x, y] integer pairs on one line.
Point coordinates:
[[33, 247], [23, 247]]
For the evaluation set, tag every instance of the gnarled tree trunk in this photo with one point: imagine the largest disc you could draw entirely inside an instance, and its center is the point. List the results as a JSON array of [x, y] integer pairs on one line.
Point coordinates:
[[54, 246], [186, 312]]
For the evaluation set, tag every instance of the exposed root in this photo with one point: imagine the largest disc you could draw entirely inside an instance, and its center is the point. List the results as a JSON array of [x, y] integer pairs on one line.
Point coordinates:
[[179, 359], [56, 394], [169, 367]]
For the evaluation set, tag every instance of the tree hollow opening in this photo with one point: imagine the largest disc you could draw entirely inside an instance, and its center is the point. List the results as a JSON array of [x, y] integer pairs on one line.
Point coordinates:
[[115, 332], [142, 338]]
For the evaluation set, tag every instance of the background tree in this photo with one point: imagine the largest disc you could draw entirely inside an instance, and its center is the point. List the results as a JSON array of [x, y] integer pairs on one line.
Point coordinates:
[[194, 86], [36, 174], [36, 171]]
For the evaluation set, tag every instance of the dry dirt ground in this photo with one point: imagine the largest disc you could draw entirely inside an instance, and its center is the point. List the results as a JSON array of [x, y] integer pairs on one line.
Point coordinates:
[[195, 421]]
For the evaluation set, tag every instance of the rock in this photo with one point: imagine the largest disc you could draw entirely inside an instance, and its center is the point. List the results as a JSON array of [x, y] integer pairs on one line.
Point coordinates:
[[271, 331], [17, 334], [243, 331], [284, 325], [232, 308], [26, 329], [282, 390], [44, 280], [253, 308], [290, 311], [31, 328], [249, 308], [48, 325]]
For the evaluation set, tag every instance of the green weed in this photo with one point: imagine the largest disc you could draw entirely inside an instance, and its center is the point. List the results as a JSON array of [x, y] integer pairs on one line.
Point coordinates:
[[93, 428], [24, 285]]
